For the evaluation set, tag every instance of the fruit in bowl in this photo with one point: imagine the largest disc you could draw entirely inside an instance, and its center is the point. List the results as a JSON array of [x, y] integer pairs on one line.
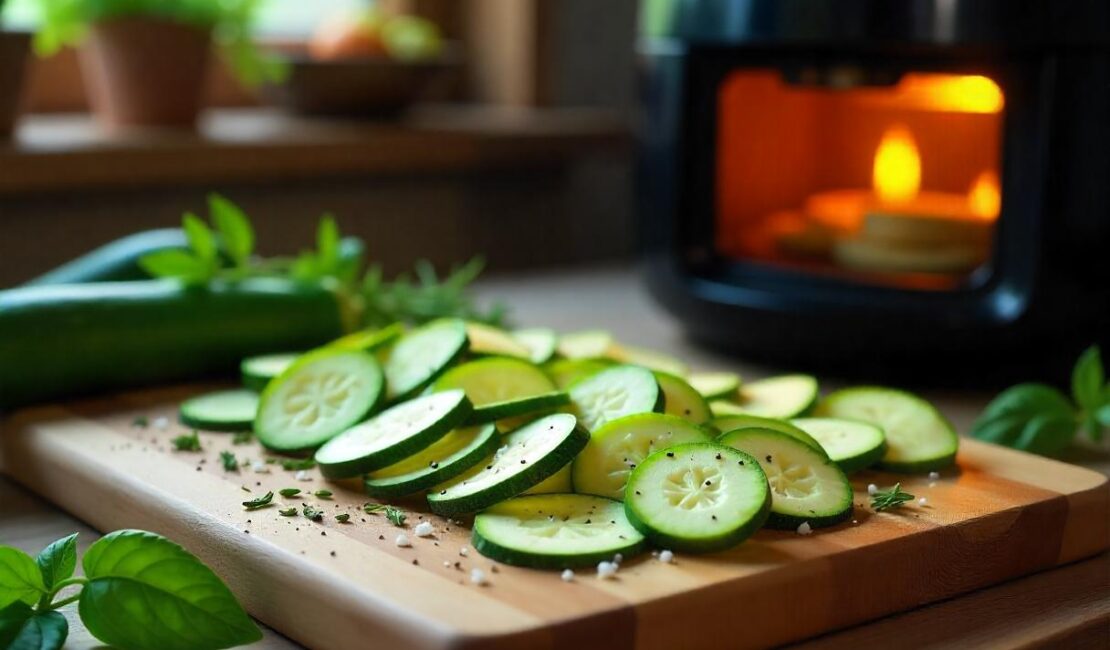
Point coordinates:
[[374, 33]]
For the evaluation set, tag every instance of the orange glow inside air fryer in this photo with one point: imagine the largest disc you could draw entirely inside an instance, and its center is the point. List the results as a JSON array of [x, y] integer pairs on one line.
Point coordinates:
[[898, 183]]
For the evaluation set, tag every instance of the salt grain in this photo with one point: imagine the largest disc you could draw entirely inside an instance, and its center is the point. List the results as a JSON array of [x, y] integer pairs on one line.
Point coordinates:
[[934, 476], [567, 575], [607, 570], [478, 577], [666, 557], [161, 423], [302, 475], [872, 488], [463, 551], [402, 541], [922, 501], [805, 528], [424, 529], [259, 467]]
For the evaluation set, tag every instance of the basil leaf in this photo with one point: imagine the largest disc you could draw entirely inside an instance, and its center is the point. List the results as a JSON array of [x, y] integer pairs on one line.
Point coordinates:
[[20, 579], [1000, 431], [200, 238], [21, 628], [1047, 434], [1028, 400], [1087, 380], [144, 591], [57, 561], [234, 228], [175, 263]]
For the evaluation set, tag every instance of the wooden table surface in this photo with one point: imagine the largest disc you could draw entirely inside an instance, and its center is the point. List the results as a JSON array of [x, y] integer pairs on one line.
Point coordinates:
[[1066, 607]]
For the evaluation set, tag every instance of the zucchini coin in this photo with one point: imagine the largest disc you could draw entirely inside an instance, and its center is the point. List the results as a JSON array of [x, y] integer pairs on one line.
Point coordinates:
[[733, 422], [615, 392], [422, 355], [680, 398], [441, 461], [851, 444], [258, 371], [716, 385], [227, 410], [788, 396]]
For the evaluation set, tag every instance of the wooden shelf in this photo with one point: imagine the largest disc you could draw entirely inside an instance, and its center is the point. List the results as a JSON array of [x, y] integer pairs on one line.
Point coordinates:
[[63, 152]]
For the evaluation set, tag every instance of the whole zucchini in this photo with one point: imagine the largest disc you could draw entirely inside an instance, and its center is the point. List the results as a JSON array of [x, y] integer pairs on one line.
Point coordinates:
[[116, 260], [64, 340]]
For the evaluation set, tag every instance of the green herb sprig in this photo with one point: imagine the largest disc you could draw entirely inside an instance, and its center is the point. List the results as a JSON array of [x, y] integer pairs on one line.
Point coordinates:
[[260, 502], [312, 512], [892, 498], [230, 463], [396, 516], [132, 604], [1042, 419], [296, 464], [289, 493], [242, 438], [187, 442], [343, 517]]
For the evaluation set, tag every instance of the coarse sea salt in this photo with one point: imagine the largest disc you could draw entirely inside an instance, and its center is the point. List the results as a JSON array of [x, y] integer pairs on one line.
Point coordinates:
[[424, 529], [872, 488], [260, 467], [666, 556], [302, 475], [478, 576], [805, 528], [463, 551], [402, 541], [934, 476], [567, 575], [922, 501], [607, 570], [161, 423]]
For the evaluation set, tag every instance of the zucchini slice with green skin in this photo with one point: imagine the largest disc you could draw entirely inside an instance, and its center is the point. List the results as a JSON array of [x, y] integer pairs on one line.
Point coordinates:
[[614, 450], [540, 341], [806, 487], [393, 435], [565, 372], [441, 461], [680, 399], [615, 392], [371, 339], [558, 483], [788, 396], [587, 344], [318, 397], [698, 497], [918, 437], [649, 359], [487, 339], [258, 371], [851, 444], [527, 457], [226, 410], [496, 379], [556, 531], [513, 408], [733, 422], [716, 385], [422, 355]]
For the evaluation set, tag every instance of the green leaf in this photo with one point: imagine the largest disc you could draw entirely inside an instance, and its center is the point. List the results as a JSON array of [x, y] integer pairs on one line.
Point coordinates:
[[1029, 400], [200, 238], [1047, 434], [176, 263], [1087, 380], [20, 578], [1001, 430], [327, 244], [144, 591], [57, 561], [21, 628], [234, 227]]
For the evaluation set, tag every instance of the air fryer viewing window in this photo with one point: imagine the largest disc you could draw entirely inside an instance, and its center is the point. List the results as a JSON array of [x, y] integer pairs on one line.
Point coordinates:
[[893, 184]]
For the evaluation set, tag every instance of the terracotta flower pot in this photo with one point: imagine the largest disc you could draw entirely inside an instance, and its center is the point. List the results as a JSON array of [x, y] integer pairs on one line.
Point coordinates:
[[14, 47], [145, 72]]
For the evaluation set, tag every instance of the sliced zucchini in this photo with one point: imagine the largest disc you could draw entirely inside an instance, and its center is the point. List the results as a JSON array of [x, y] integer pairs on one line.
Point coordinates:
[[322, 394], [615, 392], [806, 487], [441, 461], [258, 371], [589, 344], [496, 379], [851, 444], [918, 437], [393, 435], [697, 497], [540, 341], [422, 355], [565, 372], [371, 339], [226, 410], [520, 406], [680, 398], [716, 385], [733, 422], [555, 531], [614, 450], [788, 396], [649, 359], [487, 339], [557, 483], [527, 457]]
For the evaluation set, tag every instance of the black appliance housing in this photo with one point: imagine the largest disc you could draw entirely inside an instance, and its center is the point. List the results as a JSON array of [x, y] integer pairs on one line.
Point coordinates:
[[1045, 296]]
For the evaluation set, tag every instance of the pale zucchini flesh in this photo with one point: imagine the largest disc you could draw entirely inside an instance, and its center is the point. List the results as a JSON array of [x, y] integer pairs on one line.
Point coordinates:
[[787, 396], [422, 355], [613, 393], [716, 385], [733, 422], [443, 460], [681, 400], [851, 444]]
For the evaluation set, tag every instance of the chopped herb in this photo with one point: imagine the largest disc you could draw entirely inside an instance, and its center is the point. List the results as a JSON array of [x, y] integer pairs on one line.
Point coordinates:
[[892, 498], [242, 438], [289, 492], [342, 517], [260, 502], [141, 421], [396, 516], [372, 508], [187, 442], [288, 512], [312, 513], [322, 494], [229, 461], [292, 465]]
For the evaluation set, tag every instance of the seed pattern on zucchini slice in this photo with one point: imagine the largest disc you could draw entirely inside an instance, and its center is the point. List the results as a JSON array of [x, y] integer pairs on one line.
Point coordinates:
[[615, 392], [441, 461], [422, 355]]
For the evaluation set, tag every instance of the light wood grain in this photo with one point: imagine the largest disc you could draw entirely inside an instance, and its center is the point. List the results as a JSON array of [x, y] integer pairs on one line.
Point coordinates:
[[983, 525]]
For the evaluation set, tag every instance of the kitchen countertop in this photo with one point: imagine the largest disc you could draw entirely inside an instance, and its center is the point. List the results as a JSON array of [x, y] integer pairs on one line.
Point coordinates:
[[1069, 606]]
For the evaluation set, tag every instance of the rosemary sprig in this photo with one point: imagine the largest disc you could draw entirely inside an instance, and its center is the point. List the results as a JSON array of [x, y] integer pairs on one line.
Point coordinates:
[[892, 498]]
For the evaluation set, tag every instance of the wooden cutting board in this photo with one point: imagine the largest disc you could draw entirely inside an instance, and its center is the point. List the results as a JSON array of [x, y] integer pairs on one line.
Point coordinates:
[[329, 585]]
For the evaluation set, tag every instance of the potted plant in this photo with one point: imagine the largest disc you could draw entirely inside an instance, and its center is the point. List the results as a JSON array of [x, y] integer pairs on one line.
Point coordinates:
[[145, 62], [13, 63]]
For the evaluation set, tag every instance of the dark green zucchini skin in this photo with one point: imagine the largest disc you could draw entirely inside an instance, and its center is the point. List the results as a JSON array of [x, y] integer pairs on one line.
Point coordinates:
[[65, 340], [115, 261]]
